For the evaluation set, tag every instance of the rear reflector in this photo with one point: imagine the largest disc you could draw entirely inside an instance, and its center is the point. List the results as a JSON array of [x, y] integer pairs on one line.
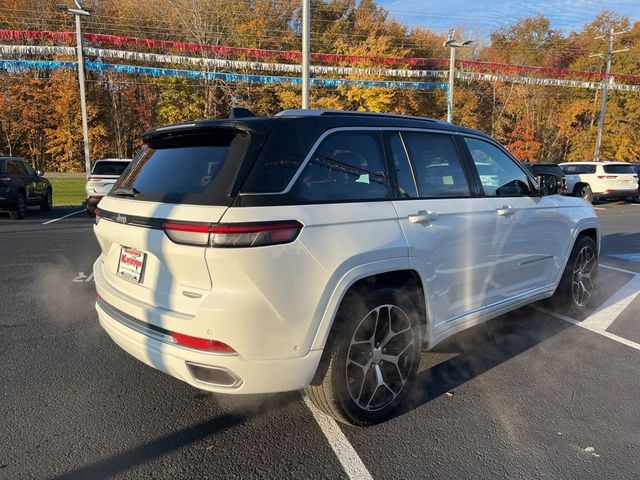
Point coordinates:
[[233, 235], [607, 176], [202, 343]]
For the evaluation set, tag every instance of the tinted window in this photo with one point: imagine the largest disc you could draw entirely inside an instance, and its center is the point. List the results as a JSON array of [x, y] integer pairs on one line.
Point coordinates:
[[549, 169], [438, 167], [619, 169], [346, 166], [12, 168], [406, 182], [16, 167], [109, 168], [187, 168], [499, 174], [578, 169]]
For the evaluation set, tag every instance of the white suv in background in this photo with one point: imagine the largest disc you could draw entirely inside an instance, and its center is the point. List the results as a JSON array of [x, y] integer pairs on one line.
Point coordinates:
[[591, 180], [103, 175], [324, 250]]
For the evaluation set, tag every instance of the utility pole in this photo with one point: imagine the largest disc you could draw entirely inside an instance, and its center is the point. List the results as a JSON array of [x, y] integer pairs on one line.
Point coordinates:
[[306, 54], [605, 86], [452, 44], [81, 12]]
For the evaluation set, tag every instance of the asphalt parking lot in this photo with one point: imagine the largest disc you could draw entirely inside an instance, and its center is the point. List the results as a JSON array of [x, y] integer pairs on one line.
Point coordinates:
[[533, 394]]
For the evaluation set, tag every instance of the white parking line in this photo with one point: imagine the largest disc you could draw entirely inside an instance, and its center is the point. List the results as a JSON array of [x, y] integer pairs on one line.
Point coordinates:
[[573, 321], [348, 457], [617, 269], [605, 315], [56, 219]]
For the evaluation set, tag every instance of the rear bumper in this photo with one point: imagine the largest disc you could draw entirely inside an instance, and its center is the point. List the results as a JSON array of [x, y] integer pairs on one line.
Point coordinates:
[[124, 320], [267, 376], [7, 200]]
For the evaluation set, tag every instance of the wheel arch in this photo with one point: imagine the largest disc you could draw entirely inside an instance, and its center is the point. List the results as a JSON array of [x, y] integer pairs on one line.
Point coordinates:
[[578, 186], [398, 276], [587, 229]]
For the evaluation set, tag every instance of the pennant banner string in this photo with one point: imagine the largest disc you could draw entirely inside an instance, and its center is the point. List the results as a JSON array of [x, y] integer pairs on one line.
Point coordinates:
[[317, 57], [20, 65], [276, 67]]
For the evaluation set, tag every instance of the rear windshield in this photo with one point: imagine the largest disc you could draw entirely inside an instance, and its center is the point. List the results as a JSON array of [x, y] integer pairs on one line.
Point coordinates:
[[619, 169], [578, 169], [105, 167], [191, 168]]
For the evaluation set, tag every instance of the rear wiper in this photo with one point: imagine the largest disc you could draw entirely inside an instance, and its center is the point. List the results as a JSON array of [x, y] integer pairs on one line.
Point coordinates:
[[126, 192]]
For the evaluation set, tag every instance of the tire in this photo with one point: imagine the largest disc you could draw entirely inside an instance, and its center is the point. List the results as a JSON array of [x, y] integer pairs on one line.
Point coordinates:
[[586, 193], [47, 202], [20, 208], [351, 392], [578, 283]]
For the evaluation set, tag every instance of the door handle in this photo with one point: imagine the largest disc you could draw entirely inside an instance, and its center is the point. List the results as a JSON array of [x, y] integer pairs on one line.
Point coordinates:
[[423, 216], [506, 211]]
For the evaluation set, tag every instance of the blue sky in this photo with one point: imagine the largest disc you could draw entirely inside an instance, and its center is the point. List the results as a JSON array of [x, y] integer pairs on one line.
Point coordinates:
[[480, 17]]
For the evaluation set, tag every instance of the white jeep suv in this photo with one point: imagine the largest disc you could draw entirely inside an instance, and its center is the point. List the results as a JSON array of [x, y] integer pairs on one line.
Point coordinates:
[[591, 180], [325, 250]]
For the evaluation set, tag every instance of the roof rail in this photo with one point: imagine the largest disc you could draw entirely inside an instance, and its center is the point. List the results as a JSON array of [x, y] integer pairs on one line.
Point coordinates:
[[313, 112]]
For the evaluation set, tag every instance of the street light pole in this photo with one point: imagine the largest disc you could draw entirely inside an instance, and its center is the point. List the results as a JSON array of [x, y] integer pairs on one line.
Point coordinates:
[[306, 47], [81, 12], [452, 63], [452, 44]]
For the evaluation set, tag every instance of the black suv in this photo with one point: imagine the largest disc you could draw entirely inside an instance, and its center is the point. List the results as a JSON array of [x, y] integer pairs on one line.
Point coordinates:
[[21, 187]]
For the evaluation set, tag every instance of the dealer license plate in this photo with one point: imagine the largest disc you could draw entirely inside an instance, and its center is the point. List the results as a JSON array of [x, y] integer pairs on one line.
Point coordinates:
[[131, 264]]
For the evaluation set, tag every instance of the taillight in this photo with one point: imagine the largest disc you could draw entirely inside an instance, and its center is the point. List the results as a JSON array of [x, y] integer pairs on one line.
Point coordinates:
[[233, 235], [5, 179], [187, 233], [602, 177], [98, 215], [214, 346]]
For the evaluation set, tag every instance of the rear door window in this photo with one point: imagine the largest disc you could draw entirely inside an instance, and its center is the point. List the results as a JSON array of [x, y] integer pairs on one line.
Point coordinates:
[[347, 166], [439, 170], [109, 168], [628, 169], [192, 168]]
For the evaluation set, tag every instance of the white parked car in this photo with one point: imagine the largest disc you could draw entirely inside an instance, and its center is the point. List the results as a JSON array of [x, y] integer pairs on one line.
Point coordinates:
[[324, 250], [103, 175], [591, 180]]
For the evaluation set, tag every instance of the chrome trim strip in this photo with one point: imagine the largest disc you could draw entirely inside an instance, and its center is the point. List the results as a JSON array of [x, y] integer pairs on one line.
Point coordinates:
[[514, 299], [134, 323]]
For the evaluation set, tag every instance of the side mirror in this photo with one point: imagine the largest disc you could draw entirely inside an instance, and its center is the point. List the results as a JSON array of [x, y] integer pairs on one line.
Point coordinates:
[[40, 172], [549, 184]]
